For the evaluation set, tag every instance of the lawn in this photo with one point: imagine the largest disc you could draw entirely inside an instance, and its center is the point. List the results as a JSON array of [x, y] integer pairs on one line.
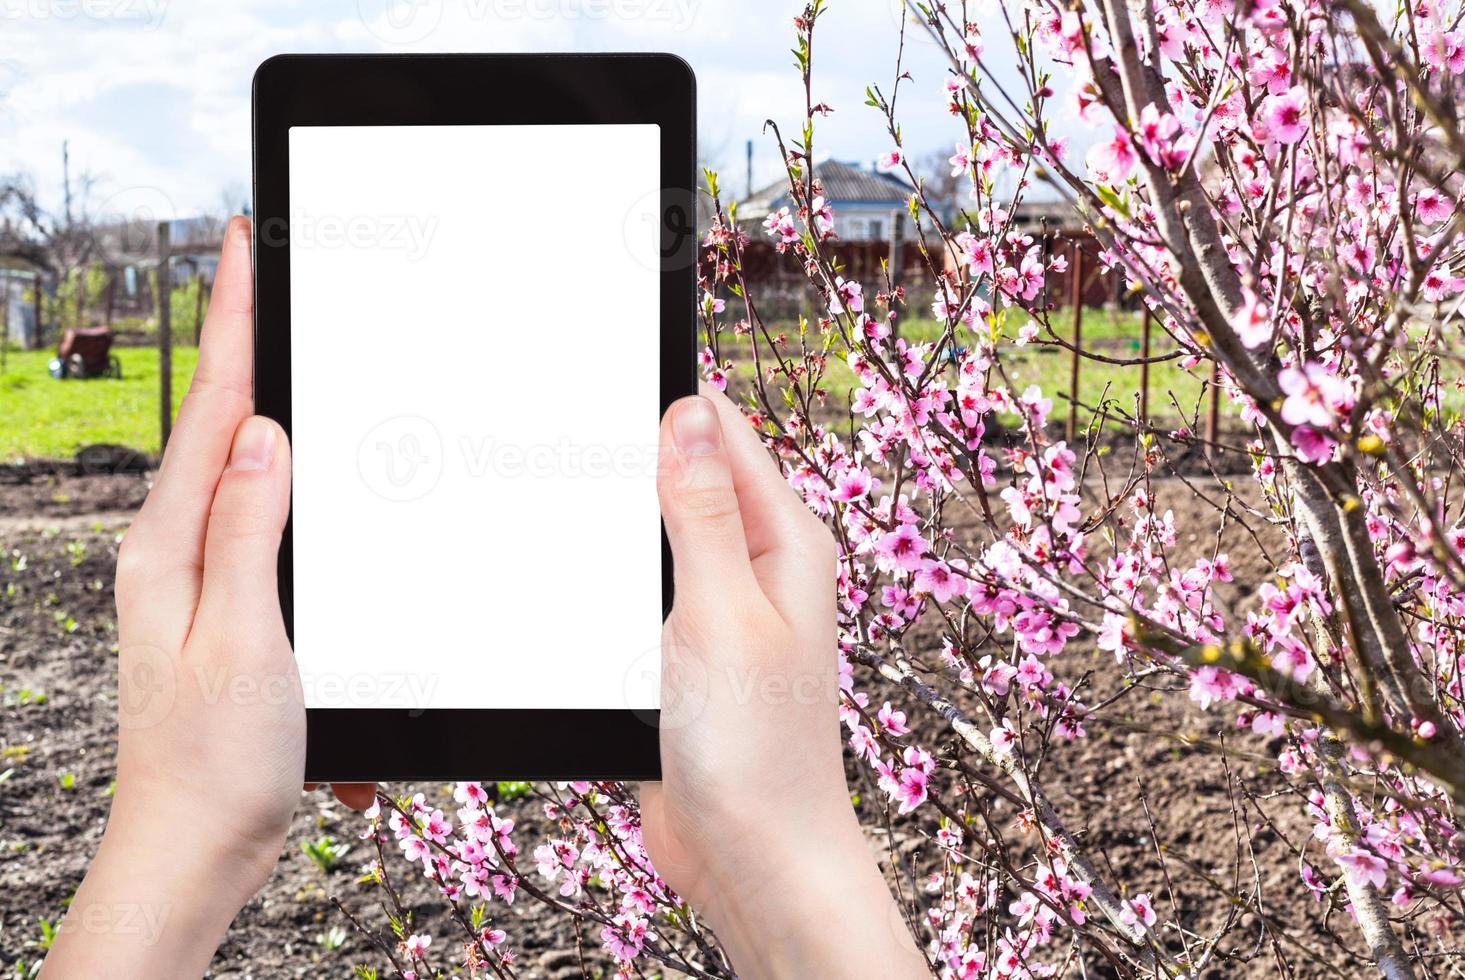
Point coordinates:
[[1113, 333], [42, 418]]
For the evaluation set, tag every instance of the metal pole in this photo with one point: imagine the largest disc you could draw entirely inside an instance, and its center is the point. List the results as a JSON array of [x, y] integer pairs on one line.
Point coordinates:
[[750, 168], [1077, 339], [165, 334], [1144, 367]]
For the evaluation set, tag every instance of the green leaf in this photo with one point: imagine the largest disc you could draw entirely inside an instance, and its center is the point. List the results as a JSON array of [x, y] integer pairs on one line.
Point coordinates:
[[1113, 200]]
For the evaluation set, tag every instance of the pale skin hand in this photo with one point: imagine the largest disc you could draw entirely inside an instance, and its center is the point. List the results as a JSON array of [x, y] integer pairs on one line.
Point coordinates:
[[211, 742], [752, 823]]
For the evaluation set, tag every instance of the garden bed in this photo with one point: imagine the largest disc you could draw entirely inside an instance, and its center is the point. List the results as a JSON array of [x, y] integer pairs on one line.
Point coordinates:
[[57, 734]]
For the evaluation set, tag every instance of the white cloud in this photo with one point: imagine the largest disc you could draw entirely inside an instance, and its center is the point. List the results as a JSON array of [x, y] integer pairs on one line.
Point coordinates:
[[155, 94]]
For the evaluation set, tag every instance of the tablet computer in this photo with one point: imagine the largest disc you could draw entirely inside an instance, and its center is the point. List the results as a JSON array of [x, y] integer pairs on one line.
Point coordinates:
[[475, 280]]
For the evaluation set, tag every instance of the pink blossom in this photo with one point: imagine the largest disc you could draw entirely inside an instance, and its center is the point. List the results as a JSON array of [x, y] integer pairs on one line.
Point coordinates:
[[1157, 132], [1139, 913], [1313, 395], [1438, 284], [1114, 161], [823, 217], [1361, 866], [1253, 321], [961, 160], [847, 295], [935, 579], [910, 790], [903, 547], [977, 251], [625, 936], [1312, 445], [1211, 684], [780, 225], [1444, 50], [1285, 116], [852, 484], [862, 742], [1432, 207], [1273, 68], [971, 47], [1003, 738], [472, 794], [892, 721]]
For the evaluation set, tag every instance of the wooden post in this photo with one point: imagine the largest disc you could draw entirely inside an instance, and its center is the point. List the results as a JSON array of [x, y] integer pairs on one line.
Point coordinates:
[[83, 282], [165, 335], [1144, 367], [5, 327], [36, 296], [198, 309], [1077, 340]]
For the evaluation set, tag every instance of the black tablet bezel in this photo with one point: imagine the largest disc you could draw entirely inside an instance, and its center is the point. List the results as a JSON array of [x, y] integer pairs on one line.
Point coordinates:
[[366, 744]]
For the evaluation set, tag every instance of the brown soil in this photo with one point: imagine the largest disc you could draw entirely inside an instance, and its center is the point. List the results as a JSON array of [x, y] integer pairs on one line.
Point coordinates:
[[57, 637]]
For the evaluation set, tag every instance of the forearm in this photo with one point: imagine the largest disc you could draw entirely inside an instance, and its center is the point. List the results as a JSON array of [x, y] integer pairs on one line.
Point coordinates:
[[824, 910], [156, 902]]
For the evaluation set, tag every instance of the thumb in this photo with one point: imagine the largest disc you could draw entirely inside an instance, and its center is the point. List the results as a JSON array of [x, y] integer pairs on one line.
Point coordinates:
[[699, 506], [241, 547]]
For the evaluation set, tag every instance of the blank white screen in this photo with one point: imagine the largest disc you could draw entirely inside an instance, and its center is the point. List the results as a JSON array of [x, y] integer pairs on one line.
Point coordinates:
[[475, 387]]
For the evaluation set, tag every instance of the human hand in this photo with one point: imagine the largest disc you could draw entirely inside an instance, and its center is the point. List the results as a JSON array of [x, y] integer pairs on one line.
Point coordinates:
[[211, 743], [752, 821]]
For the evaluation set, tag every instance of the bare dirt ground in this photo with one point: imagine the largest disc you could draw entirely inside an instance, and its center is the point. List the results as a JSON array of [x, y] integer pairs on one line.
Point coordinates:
[[1137, 789]]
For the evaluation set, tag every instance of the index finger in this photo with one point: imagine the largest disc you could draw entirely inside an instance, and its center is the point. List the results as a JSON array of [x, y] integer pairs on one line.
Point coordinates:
[[163, 551], [791, 550]]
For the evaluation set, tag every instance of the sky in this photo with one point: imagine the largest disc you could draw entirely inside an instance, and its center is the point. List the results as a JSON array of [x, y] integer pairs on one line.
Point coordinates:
[[152, 96]]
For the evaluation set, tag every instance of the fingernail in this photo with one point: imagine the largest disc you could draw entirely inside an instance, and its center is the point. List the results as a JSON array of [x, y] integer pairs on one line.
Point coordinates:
[[694, 427], [254, 445]]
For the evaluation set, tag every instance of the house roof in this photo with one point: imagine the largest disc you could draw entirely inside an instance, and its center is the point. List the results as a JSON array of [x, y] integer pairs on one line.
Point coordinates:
[[843, 183]]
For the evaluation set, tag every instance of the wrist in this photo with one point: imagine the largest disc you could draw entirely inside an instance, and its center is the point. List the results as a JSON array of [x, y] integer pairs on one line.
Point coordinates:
[[805, 900], [157, 899], [189, 842]]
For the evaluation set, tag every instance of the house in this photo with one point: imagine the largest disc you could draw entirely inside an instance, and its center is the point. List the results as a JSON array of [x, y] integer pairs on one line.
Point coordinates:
[[17, 302], [870, 211], [866, 202], [871, 217]]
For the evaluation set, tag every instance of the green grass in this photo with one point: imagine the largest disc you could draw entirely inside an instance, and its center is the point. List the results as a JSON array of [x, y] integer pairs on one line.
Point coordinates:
[[1114, 334], [42, 418], [1098, 325]]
